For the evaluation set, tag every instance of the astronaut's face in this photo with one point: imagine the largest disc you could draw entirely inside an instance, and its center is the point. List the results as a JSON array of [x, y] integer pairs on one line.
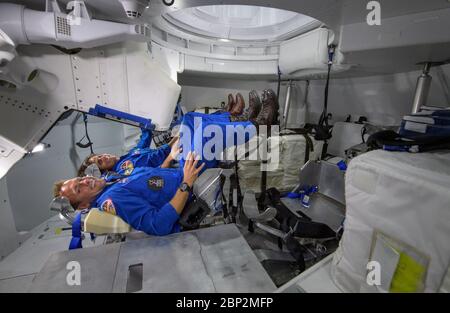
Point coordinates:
[[82, 190], [105, 162]]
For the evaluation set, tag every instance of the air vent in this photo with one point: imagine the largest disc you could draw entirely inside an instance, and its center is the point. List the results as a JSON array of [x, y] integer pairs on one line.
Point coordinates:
[[133, 14], [142, 30], [62, 26]]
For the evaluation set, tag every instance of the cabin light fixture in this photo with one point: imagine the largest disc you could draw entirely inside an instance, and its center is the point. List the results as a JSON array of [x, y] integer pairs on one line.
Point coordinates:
[[224, 40], [40, 147], [134, 8]]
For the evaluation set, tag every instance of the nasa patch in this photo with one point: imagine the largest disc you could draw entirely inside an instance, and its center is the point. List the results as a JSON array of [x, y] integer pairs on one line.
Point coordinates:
[[156, 183], [108, 207], [127, 167]]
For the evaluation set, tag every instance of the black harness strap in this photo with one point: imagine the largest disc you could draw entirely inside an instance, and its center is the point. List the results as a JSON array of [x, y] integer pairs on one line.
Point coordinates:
[[297, 251], [309, 146], [302, 226], [224, 201]]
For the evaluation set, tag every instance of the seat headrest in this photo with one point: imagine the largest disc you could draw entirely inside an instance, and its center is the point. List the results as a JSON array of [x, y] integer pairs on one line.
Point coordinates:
[[93, 170], [64, 208]]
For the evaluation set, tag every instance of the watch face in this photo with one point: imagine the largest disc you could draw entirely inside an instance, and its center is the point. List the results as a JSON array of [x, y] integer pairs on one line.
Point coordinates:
[[184, 187]]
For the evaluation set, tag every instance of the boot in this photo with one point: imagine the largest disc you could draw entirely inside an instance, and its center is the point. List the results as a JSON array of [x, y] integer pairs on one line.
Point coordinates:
[[230, 104], [239, 105], [252, 111], [269, 111], [254, 106], [270, 97]]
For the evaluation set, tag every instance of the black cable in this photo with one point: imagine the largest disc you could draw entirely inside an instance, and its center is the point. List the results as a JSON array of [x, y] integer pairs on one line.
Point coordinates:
[[323, 128], [89, 143], [323, 120], [363, 132], [85, 120], [262, 197], [279, 85]]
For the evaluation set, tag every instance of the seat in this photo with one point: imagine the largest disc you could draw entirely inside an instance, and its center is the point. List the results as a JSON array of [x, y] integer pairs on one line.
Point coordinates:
[[208, 187], [96, 222], [252, 212], [302, 229], [102, 223], [207, 199]]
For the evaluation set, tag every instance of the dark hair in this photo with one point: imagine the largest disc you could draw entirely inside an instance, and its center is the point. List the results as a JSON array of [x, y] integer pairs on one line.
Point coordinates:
[[85, 164]]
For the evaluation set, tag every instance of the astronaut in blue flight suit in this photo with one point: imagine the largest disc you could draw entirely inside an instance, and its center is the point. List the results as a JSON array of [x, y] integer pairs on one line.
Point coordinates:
[[152, 199], [139, 156], [149, 199]]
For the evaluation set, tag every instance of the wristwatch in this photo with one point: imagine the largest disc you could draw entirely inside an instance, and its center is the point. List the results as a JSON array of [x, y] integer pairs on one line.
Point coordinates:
[[185, 187]]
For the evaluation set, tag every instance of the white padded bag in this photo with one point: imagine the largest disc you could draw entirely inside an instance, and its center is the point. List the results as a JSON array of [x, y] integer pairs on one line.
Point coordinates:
[[284, 176], [405, 196]]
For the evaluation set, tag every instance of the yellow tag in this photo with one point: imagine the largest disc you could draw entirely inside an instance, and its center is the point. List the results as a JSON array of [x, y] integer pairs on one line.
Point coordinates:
[[408, 276], [58, 231]]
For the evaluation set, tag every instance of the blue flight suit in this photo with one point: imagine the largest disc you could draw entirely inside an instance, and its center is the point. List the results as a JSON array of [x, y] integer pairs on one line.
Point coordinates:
[[198, 141], [142, 155], [142, 199]]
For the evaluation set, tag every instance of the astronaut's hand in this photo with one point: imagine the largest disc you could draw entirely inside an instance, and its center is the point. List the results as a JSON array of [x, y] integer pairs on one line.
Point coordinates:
[[190, 169], [175, 150], [174, 141]]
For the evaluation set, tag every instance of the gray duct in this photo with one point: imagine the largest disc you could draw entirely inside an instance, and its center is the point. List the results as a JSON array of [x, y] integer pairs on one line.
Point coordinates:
[[73, 30]]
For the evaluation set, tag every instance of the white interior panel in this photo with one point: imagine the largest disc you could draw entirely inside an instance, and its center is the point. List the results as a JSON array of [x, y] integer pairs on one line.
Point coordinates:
[[114, 81], [9, 238], [306, 53], [152, 93]]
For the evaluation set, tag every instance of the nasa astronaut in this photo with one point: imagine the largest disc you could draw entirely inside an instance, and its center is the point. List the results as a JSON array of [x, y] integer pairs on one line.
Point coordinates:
[[151, 199], [139, 156]]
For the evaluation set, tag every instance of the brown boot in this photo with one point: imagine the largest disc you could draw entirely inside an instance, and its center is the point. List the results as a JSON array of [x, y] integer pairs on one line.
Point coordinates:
[[254, 105], [230, 104], [269, 96], [269, 110], [240, 105]]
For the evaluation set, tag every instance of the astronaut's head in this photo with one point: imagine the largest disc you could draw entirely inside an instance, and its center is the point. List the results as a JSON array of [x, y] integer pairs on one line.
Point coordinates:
[[80, 191], [105, 162]]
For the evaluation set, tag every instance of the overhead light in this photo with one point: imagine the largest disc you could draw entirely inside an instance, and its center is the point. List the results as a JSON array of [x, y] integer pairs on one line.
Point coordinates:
[[134, 8], [224, 40], [40, 147]]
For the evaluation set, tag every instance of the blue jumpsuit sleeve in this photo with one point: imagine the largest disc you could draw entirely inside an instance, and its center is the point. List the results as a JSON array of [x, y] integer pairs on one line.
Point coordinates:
[[145, 140], [143, 216], [157, 156], [162, 222]]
